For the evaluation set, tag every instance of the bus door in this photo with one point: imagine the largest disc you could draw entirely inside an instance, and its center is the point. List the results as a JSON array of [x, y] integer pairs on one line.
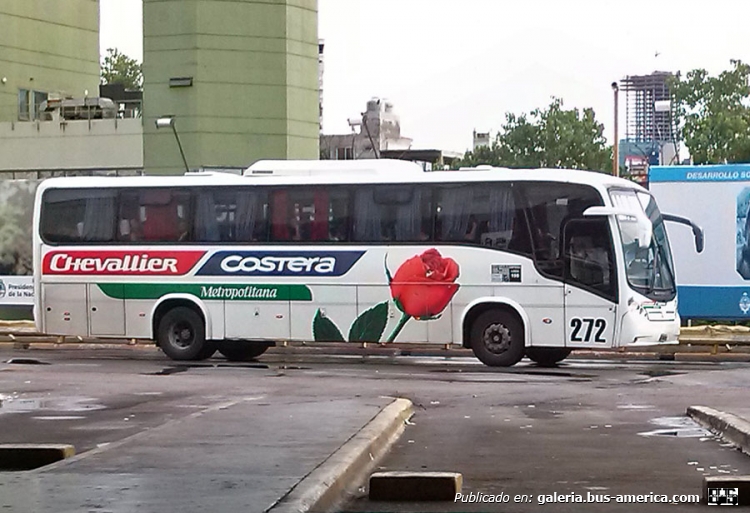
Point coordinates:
[[590, 282]]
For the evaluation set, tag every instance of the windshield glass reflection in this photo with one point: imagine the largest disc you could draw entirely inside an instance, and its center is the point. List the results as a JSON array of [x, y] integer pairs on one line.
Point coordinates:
[[650, 270]]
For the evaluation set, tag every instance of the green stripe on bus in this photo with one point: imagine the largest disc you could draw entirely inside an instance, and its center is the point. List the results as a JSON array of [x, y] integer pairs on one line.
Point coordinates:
[[226, 292]]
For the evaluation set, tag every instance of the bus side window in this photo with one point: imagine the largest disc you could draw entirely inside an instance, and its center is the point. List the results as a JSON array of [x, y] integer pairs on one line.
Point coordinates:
[[155, 215], [249, 220], [129, 228], [279, 216], [548, 206], [231, 215], [319, 222], [70, 215], [368, 216], [520, 241], [389, 213], [339, 215], [160, 220], [480, 214], [588, 255], [457, 208], [310, 215]]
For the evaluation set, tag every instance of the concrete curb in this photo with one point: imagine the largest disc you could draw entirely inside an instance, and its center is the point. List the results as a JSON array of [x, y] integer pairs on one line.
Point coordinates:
[[324, 487], [730, 427]]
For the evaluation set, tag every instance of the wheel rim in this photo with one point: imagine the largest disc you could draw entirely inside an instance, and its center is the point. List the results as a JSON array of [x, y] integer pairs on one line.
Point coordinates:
[[181, 335], [497, 338]]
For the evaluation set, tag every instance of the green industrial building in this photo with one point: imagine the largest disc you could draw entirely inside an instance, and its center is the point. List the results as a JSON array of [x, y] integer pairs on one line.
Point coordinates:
[[240, 78], [47, 47]]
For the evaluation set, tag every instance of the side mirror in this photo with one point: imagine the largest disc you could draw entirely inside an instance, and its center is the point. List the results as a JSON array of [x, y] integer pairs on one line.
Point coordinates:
[[645, 228], [697, 230]]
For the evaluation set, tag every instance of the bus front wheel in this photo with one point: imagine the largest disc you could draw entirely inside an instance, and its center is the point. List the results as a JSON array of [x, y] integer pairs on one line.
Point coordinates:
[[182, 335], [547, 356], [236, 351], [497, 338]]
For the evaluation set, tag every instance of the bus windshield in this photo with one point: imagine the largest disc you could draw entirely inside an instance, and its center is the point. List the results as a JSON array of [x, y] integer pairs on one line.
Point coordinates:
[[650, 270]]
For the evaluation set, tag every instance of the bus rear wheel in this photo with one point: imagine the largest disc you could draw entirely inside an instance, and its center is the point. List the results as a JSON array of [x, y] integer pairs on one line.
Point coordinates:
[[182, 335], [497, 338], [547, 356], [236, 351]]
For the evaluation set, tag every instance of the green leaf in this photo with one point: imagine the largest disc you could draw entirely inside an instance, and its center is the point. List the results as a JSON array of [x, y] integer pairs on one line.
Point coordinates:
[[369, 326], [325, 330]]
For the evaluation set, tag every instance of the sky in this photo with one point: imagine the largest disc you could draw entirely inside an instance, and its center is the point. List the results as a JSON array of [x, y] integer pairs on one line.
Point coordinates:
[[452, 66]]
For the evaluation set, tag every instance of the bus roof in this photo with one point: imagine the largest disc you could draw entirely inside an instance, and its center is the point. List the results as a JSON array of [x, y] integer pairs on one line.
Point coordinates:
[[349, 172], [331, 167]]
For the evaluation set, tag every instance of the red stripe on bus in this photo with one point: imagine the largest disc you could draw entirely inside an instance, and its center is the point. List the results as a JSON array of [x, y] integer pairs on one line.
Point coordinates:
[[120, 263]]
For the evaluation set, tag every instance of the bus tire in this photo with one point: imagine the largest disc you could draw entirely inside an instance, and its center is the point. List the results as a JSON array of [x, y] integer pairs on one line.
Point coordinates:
[[547, 356], [236, 351], [209, 349], [497, 338], [182, 334]]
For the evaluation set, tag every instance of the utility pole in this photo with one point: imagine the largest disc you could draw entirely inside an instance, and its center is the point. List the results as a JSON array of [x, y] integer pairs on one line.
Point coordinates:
[[616, 145]]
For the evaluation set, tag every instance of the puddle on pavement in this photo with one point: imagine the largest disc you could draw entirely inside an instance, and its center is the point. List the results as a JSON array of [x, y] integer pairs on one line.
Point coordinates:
[[660, 373], [26, 361], [680, 427], [530, 372], [59, 417], [635, 406], [176, 369], [16, 404], [169, 370], [248, 366]]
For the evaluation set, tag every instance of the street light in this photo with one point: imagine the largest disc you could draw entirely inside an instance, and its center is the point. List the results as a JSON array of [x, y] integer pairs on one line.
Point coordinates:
[[616, 146], [169, 122]]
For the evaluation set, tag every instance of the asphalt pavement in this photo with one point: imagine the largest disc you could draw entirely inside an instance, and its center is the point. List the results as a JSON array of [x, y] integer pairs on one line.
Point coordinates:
[[153, 435]]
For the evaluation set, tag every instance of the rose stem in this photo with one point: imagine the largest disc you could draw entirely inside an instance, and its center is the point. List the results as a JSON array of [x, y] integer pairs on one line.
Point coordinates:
[[401, 323]]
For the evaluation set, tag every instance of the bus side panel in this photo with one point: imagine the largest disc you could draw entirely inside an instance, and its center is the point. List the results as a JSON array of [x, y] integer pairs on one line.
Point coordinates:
[[337, 303], [257, 320], [64, 309], [439, 331], [106, 314], [465, 296], [370, 295], [215, 325], [543, 304], [138, 319]]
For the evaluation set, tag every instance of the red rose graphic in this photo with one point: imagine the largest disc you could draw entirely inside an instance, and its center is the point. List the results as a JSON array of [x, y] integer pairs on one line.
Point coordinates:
[[424, 285]]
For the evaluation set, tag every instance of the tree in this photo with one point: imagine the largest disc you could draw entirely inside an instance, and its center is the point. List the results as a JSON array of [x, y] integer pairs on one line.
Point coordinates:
[[713, 114], [118, 68], [549, 138], [16, 211]]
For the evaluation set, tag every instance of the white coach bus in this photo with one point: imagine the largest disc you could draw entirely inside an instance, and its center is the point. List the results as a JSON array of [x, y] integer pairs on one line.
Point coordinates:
[[505, 262]]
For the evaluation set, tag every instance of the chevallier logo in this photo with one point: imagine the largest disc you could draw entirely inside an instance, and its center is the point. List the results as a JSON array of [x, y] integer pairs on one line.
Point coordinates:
[[121, 262]]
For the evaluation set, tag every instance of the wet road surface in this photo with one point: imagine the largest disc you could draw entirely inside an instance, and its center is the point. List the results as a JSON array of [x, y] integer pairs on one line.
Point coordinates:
[[599, 427]]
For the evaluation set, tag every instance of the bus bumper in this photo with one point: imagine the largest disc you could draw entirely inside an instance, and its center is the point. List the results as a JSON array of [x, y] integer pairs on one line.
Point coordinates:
[[639, 330]]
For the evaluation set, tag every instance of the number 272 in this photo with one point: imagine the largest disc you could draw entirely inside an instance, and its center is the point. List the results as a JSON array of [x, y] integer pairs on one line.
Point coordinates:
[[583, 334]]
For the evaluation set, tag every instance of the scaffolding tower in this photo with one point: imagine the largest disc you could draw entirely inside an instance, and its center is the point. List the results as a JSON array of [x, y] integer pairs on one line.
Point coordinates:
[[643, 123]]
